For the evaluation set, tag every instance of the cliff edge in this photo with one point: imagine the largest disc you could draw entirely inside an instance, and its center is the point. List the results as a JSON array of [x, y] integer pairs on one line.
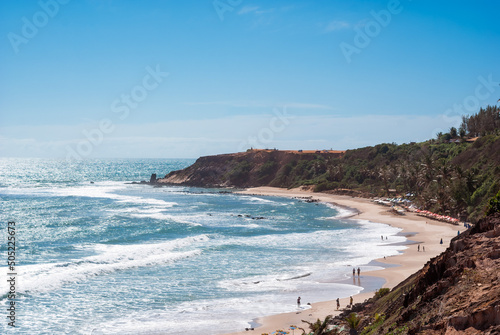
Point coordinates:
[[457, 292], [244, 169]]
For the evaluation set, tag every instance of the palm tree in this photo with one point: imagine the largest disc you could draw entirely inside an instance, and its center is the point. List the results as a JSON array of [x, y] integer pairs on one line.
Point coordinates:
[[353, 321], [320, 328], [385, 174], [335, 171], [404, 173], [462, 132], [443, 179], [453, 132]]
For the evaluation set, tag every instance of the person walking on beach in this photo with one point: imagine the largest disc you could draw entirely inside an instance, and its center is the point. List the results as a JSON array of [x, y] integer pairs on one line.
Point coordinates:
[[298, 302], [418, 248], [338, 303], [350, 300], [359, 271], [441, 241], [353, 272]]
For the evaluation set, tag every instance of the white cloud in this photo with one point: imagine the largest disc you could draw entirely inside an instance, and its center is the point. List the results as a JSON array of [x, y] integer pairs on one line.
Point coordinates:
[[248, 9], [194, 138], [306, 106], [255, 10], [259, 104], [337, 25]]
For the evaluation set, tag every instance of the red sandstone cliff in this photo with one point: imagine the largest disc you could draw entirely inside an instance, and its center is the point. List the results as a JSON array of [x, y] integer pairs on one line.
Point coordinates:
[[457, 292], [243, 169]]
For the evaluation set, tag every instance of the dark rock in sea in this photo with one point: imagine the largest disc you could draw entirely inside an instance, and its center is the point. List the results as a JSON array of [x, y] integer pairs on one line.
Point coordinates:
[[152, 180], [142, 182]]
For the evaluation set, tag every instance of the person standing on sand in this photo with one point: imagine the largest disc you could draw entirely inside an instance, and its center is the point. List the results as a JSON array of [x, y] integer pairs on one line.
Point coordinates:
[[298, 302], [338, 304], [350, 300], [359, 271]]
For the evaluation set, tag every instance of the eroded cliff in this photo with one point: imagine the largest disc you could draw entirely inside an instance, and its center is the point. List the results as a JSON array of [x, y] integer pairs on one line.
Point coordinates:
[[244, 169], [457, 292]]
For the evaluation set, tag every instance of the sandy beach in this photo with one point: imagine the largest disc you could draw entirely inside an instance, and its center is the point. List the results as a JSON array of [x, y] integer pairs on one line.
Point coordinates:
[[423, 231]]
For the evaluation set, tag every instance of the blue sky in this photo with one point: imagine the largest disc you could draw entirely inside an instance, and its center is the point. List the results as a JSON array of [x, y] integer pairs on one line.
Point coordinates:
[[102, 78]]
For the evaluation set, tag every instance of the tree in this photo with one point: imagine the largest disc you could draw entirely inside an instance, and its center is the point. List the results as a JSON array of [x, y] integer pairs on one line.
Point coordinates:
[[485, 122], [320, 327], [453, 132], [446, 137], [494, 205], [386, 175], [353, 321]]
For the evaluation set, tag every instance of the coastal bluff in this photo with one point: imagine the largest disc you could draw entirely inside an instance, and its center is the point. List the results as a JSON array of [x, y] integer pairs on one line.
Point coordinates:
[[457, 292], [244, 169], [454, 178]]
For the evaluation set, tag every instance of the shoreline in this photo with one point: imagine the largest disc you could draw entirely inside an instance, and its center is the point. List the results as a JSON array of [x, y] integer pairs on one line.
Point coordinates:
[[423, 231]]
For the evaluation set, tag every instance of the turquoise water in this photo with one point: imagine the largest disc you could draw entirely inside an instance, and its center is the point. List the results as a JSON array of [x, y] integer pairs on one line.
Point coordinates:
[[110, 257]]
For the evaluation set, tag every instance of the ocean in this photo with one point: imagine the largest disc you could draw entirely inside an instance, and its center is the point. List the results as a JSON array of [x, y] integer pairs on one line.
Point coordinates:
[[98, 255]]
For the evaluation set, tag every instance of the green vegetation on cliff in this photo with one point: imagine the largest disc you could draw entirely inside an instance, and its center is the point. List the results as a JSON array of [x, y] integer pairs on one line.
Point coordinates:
[[452, 175], [449, 178]]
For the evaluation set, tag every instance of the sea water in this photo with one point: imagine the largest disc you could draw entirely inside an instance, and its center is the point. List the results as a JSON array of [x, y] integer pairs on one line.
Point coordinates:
[[98, 255]]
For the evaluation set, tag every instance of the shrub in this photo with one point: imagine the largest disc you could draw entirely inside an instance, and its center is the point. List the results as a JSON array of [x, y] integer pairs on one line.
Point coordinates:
[[266, 169], [383, 291], [494, 205], [240, 173]]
